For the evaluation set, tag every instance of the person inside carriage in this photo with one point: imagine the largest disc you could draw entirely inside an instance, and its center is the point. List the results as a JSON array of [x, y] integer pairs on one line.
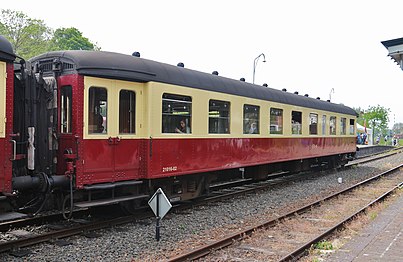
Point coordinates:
[[183, 128]]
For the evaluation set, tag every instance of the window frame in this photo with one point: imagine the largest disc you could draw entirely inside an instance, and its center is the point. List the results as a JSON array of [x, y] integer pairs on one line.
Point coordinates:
[[324, 120], [313, 126], [220, 119], [343, 126], [331, 123], [296, 125], [275, 119], [93, 125], [249, 121], [352, 126], [132, 113], [170, 121], [66, 109]]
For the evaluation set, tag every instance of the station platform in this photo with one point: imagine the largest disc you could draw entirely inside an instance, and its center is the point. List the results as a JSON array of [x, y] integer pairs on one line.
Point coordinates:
[[364, 150], [382, 240]]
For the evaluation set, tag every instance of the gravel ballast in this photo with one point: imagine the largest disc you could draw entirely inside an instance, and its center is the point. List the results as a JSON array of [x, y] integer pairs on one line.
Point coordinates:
[[136, 241]]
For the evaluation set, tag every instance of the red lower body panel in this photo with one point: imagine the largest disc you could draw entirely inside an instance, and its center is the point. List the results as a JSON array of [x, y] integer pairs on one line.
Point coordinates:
[[184, 156], [105, 160], [2, 165], [111, 161]]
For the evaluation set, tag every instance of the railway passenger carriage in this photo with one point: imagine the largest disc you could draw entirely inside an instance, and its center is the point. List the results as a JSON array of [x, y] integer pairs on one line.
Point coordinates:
[[109, 128], [7, 57]]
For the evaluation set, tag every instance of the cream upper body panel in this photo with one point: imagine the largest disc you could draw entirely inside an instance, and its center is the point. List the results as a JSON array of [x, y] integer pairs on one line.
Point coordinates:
[[200, 114], [148, 112], [113, 88]]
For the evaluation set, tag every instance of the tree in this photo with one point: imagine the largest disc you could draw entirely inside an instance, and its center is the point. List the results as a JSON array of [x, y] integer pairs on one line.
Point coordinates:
[[377, 117], [398, 128], [29, 37], [71, 39]]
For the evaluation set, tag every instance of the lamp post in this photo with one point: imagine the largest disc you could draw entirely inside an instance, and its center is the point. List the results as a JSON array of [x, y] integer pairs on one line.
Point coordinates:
[[255, 64], [330, 94]]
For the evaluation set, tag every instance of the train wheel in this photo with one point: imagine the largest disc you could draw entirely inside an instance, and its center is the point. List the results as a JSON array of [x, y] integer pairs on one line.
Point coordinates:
[[130, 207]]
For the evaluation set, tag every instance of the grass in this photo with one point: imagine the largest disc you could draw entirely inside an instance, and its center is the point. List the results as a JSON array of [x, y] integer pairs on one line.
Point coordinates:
[[323, 245]]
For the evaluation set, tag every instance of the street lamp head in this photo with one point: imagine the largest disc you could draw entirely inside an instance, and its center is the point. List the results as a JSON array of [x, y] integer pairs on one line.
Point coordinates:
[[255, 64]]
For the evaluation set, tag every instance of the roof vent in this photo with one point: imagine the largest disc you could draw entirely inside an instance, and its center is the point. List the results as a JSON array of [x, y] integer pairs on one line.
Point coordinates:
[[306, 95], [136, 54], [318, 98], [328, 100], [215, 73], [296, 92], [265, 85], [242, 79], [180, 64], [285, 90]]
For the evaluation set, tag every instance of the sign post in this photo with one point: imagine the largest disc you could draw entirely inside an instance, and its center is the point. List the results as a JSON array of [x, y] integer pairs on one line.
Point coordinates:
[[160, 205]]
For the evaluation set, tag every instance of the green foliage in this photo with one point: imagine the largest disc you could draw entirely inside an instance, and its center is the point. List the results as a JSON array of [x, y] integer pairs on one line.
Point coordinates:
[[324, 245], [31, 37], [71, 39], [373, 215], [398, 128], [375, 117]]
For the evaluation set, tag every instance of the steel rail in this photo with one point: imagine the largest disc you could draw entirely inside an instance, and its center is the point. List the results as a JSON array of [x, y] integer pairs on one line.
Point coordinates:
[[37, 220], [23, 242], [302, 250], [216, 196], [16, 244], [229, 240], [373, 157]]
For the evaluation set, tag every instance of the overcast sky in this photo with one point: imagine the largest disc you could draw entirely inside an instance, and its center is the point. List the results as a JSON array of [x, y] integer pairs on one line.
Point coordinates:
[[310, 46]]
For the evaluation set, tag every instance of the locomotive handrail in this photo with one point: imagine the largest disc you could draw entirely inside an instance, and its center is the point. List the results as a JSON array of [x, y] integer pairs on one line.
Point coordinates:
[[14, 150]]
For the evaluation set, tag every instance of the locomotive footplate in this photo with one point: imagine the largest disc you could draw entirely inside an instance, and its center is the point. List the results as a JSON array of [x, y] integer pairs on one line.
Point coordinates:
[[112, 201]]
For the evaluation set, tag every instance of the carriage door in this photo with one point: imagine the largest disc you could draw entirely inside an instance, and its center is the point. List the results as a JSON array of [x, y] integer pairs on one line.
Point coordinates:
[[111, 148], [128, 146]]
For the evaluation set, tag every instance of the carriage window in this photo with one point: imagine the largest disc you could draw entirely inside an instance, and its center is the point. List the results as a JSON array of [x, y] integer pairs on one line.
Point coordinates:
[[97, 110], [176, 113], [296, 122], [65, 109], [127, 112], [219, 117], [313, 124], [251, 119], [323, 125], [276, 121], [332, 124], [343, 126], [352, 126]]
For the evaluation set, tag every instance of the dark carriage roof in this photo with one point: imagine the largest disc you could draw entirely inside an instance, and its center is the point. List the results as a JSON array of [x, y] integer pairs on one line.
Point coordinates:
[[393, 42], [126, 67], [6, 50]]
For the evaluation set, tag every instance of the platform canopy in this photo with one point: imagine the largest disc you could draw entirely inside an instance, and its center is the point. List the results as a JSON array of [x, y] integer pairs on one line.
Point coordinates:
[[395, 49]]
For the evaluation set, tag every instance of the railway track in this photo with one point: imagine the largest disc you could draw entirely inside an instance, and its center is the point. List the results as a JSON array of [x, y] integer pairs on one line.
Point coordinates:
[[219, 193], [301, 247]]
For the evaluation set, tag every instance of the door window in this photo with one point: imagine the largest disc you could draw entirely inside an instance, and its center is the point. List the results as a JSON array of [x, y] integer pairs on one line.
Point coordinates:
[[65, 110], [97, 110], [127, 112]]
